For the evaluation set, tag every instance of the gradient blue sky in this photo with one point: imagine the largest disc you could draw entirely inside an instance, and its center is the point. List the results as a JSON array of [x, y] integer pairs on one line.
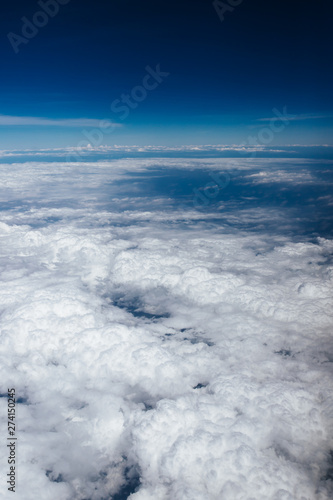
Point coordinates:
[[225, 78]]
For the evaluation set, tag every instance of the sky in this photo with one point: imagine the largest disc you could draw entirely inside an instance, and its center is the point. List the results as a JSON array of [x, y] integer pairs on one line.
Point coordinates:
[[166, 253], [194, 72]]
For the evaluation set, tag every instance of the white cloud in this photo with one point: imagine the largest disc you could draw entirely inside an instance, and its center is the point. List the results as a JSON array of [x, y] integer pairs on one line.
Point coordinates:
[[222, 150], [300, 117], [183, 359], [301, 176], [48, 122]]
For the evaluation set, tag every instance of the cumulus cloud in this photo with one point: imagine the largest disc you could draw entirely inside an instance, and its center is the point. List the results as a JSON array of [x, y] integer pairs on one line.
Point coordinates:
[[157, 353]]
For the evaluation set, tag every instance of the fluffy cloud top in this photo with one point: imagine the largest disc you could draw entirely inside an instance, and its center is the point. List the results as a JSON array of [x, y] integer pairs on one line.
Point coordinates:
[[158, 354]]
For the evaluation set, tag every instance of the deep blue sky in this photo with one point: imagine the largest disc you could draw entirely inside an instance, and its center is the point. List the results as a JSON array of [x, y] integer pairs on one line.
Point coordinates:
[[225, 77]]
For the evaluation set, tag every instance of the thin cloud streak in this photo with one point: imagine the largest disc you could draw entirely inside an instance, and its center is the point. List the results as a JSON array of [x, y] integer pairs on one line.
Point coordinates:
[[298, 117], [48, 122]]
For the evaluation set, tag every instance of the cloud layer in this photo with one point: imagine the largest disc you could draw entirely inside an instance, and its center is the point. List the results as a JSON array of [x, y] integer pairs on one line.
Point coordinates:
[[159, 354], [210, 150]]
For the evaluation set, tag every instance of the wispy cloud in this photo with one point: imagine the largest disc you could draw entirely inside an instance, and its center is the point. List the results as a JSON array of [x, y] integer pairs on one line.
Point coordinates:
[[49, 122], [300, 117]]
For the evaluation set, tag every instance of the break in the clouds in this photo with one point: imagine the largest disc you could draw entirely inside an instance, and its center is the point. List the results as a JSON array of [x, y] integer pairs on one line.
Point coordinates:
[[162, 351], [38, 121]]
